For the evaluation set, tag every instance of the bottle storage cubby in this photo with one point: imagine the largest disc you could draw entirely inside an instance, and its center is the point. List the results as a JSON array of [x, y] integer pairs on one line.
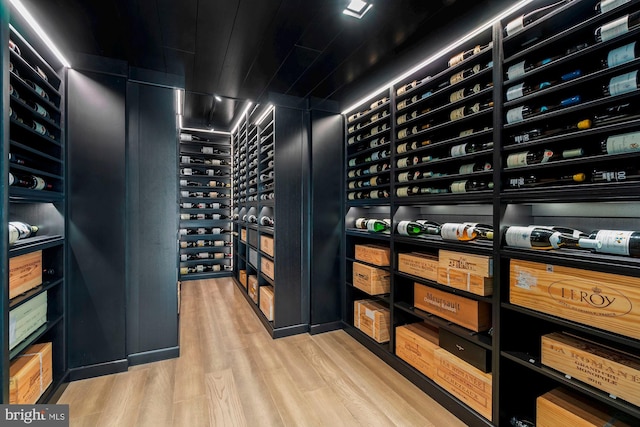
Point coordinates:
[[205, 244], [36, 289], [512, 216]]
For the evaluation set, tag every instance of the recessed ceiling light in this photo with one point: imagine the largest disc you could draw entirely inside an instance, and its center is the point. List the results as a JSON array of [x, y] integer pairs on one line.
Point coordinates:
[[357, 8], [217, 97]]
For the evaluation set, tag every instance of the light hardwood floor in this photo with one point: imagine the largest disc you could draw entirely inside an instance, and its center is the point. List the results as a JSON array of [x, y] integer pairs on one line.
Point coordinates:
[[231, 373]]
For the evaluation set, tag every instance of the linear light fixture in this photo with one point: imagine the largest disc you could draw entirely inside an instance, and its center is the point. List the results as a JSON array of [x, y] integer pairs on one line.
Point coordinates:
[[218, 98], [269, 109], [440, 53], [179, 105], [357, 8], [219, 132], [40, 32], [244, 113]]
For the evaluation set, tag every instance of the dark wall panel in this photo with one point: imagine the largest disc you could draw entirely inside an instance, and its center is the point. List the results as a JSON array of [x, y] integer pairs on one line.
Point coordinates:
[[96, 210], [152, 321], [291, 304], [326, 216]]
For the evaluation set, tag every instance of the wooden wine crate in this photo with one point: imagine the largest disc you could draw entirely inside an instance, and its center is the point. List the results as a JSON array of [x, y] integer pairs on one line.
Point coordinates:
[[372, 318], [243, 234], [561, 407], [466, 312], [419, 264], [606, 301], [30, 374], [609, 370], [467, 383], [252, 288], [415, 344], [25, 273], [373, 281], [266, 245], [242, 274], [468, 272], [373, 254], [266, 301], [267, 268], [27, 318]]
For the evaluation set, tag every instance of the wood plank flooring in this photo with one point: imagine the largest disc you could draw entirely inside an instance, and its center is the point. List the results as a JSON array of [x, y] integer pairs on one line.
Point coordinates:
[[231, 373]]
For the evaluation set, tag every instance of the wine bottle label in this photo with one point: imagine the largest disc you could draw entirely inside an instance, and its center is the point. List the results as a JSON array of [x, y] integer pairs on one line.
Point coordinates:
[[39, 128], [569, 154], [187, 205], [39, 91], [403, 228], [402, 148], [624, 83], [40, 183], [403, 163], [40, 110], [186, 137], [351, 196], [457, 114], [466, 132], [351, 140], [403, 133], [375, 156], [614, 242], [351, 174], [515, 26], [621, 55], [625, 143], [607, 5], [515, 115], [457, 95], [402, 192], [515, 92], [459, 186], [459, 150], [516, 70], [457, 77], [187, 171], [402, 119], [185, 159], [403, 104], [452, 231], [352, 162], [518, 237], [614, 28], [404, 177], [464, 169], [361, 223], [352, 185]]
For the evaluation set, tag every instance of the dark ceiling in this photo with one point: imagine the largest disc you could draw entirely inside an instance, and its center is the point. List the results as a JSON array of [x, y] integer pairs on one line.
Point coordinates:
[[244, 49]]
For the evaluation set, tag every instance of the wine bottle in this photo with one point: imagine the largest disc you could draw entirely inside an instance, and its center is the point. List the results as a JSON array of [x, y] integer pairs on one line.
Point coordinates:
[[616, 175], [458, 77], [621, 55], [198, 161], [211, 150], [468, 91], [38, 128], [376, 142], [204, 243], [474, 167], [410, 146], [617, 242], [13, 115], [207, 172], [619, 85], [466, 55], [32, 182], [41, 92], [564, 230], [412, 161], [14, 47], [19, 159], [622, 143], [409, 101], [372, 225], [413, 190], [533, 134], [21, 230], [526, 158], [378, 167], [14, 93], [536, 181], [379, 180], [523, 112], [465, 232], [605, 6], [266, 221], [376, 117], [617, 113], [409, 176], [403, 133], [407, 87], [379, 102], [545, 239], [355, 116], [617, 27], [39, 109], [412, 115], [519, 69], [521, 22], [469, 148], [205, 269], [382, 154], [523, 89], [467, 110], [414, 228], [377, 129], [467, 185]]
